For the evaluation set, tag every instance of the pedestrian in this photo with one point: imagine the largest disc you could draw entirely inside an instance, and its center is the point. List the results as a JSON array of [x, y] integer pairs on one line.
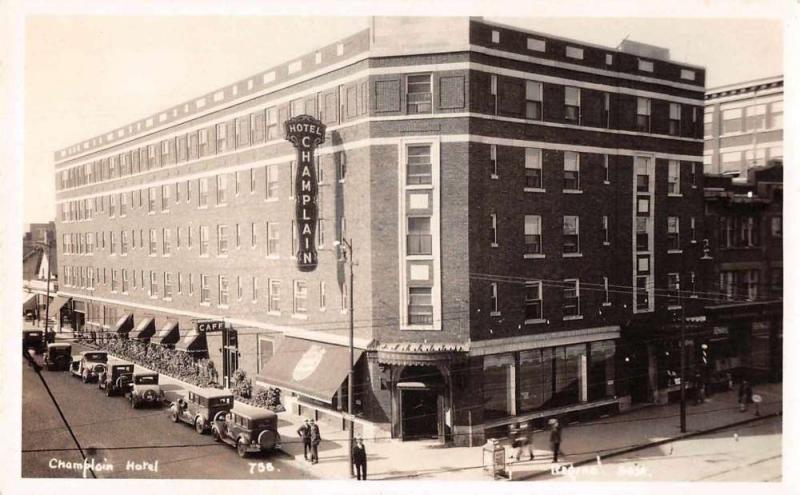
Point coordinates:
[[304, 432], [555, 437], [360, 459], [315, 438], [745, 395]]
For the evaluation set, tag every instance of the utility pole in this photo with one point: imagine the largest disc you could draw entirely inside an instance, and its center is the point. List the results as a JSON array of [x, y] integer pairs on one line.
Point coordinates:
[[683, 359], [348, 258], [47, 298]]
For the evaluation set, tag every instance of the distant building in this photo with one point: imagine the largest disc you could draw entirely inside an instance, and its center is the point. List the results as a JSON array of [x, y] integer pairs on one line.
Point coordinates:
[[523, 210], [743, 126], [745, 230], [38, 261]]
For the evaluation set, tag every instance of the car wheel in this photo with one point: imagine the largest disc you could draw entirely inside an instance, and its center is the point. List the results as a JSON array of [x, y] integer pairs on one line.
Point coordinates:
[[241, 448], [199, 427], [215, 434]]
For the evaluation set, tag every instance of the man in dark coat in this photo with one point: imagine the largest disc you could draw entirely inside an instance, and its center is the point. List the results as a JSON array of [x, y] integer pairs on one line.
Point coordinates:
[[745, 395], [555, 438], [360, 459], [316, 438], [304, 432]]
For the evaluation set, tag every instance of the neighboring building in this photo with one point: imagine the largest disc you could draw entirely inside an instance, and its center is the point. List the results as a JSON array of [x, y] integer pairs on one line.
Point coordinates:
[[517, 203], [743, 126], [38, 262], [745, 229]]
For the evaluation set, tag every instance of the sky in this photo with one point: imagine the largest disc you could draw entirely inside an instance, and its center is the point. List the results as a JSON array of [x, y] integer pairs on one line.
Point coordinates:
[[119, 68]]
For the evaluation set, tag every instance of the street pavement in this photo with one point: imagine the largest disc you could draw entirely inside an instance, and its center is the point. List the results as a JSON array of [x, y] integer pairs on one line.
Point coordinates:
[[112, 433], [744, 453]]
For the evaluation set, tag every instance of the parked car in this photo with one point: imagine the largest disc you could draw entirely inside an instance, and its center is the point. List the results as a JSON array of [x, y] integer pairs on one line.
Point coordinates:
[[199, 407], [116, 378], [33, 339], [88, 365], [58, 356], [145, 390], [248, 429]]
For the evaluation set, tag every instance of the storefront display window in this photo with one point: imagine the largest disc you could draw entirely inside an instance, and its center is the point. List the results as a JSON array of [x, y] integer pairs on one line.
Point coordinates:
[[498, 386], [601, 370]]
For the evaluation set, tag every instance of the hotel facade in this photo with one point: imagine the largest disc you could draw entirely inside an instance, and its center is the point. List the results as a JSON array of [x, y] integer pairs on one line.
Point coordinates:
[[525, 214]]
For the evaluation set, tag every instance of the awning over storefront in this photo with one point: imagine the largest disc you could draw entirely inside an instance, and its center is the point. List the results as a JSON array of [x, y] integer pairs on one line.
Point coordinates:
[[309, 368], [415, 354], [58, 303], [168, 335], [28, 300], [123, 325], [144, 330], [193, 341]]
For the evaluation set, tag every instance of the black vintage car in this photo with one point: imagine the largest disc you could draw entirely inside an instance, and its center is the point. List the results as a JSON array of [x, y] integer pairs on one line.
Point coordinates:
[[33, 339], [116, 378], [249, 429], [198, 407], [58, 356], [145, 390], [88, 365]]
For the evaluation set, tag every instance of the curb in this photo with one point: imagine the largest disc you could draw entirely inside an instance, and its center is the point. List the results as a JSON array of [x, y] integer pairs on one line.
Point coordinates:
[[656, 443]]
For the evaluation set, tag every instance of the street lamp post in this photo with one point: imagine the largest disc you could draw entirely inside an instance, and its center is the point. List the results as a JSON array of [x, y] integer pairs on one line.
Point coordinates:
[[348, 258]]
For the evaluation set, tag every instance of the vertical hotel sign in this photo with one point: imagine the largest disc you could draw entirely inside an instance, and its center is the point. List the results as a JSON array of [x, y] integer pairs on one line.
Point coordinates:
[[306, 133]]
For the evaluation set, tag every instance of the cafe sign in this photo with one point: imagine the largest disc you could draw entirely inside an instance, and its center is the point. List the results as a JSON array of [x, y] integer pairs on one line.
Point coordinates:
[[305, 133], [210, 326]]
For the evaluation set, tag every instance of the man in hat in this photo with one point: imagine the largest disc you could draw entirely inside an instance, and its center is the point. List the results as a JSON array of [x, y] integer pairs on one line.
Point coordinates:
[[315, 438], [304, 432], [555, 437], [360, 459]]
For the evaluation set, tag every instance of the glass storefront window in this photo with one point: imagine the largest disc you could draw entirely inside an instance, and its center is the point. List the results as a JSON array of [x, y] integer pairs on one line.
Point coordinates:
[[498, 386], [535, 379], [601, 370]]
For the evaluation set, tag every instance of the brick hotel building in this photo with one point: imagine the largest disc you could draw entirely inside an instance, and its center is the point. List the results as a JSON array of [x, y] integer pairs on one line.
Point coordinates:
[[522, 210]]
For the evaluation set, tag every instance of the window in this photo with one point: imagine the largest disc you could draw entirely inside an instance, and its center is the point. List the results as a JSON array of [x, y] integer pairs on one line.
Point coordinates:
[[571, 171], [113, 236], [645, 65], [300, 297], [606, 300], [755, 117], [237, 181], [708, 123], [731, 120], [203, 240], [643, 114], [642, 174], [418, 93], [189, 237], [536, 45], [123, 206], [274, 296], [694, 174], [255, 289], [533, 168], [693, 230], [420, 306], [533, 301], [776, 115], [252, 180], [222, 189], [205, 289], [493, 302], [533, 100], [320, 171], [495, 36], [571, 237], [673, 289], [776, 226], [419, 241], [123, 238], [493, 160], [493, 230], [689, 75], [202, 192], [239, 291], [153, 284], [238, 234], [188, 191], [166, 242], [642, 292], [114, 283], [606, 170], [572, 104], [574, 52], [167, 285], [607, 110], [273, 239], [674, 177], [272, 123], [202, 136], [112, 202], [674, 119], [571, 304], [222, 240], [673, 233], [533, 234], [272, 181], [493, 92], [153, 242], [164, 198], [223, 290], [605, 229], [418, 168]]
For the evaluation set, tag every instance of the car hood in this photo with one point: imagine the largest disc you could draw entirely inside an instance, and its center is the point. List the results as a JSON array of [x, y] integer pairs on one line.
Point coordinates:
[[145, 388]]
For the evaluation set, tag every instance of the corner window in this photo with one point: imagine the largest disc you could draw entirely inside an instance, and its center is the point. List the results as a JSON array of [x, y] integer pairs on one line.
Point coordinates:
[[418, 167], [419, 240], [418, 93], [420, 306]]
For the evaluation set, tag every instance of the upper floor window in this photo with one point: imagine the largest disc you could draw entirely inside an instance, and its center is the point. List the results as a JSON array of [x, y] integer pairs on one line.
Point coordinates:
[[300, 297], [536, 45], [272, 181], [273, 239], [493, 160], [708, 122], [153, 242], [274, 295], [418, 168], [776, 226], [202, 192], [493, 299], [222, 239], [419, 240], [420, 306], [574, 52], [164, 198], [571, 303], [495, 36], [166, 243], [673, 233], [493, 230], [643, 114], [776, 115], [223, 290], [222, 189], [202, 136], [571, 171], [571, 234], [642, 174], [533, 300], [205, 289], [731, 120], [689, 75], [674, 177], [203, 240], [533, 234], [755, 117], [418, 93], [533, 168], [272, 123], [674, 119], [572, 104], [222, 137], [533, 100], [645, 65]]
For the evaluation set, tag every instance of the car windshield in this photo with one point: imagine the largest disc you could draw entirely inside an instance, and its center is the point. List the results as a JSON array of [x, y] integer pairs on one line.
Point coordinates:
[[220, 401], [146, 380], [260, 424], [95, 356]]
